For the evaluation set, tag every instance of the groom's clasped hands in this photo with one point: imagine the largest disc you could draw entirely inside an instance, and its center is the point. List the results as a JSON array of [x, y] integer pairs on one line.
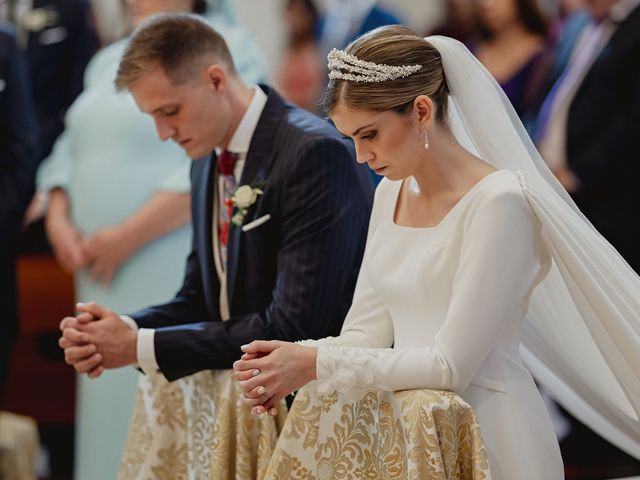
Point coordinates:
[[96, 339], [271, 369]]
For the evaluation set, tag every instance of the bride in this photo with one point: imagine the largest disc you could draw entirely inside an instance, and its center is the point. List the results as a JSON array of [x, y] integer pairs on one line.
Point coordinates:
[[476, 259]]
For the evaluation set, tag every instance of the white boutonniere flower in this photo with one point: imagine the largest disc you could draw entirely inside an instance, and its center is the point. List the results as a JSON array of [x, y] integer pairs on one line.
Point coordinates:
[[243, 197]]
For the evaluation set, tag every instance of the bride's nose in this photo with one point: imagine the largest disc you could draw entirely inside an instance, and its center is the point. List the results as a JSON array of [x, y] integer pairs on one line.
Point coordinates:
[[363, 155]]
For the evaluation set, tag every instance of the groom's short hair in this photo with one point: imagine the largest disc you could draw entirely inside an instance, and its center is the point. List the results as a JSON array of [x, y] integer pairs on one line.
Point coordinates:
[[179, 43]]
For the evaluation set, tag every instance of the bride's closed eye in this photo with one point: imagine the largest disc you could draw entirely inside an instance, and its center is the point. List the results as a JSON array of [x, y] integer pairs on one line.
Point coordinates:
[[369, 136]]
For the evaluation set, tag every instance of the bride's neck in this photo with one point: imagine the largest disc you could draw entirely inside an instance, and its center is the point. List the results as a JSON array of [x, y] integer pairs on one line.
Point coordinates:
[[447, 167]]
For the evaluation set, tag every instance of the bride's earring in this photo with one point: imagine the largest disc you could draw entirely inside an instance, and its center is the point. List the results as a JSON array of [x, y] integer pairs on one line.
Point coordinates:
[[426, 138]]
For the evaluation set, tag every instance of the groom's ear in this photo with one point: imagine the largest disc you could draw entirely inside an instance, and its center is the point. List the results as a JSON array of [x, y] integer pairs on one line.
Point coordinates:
[[216, 76], [423, 109]]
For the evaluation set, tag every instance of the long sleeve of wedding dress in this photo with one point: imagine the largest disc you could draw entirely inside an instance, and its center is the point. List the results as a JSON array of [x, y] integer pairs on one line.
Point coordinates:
[[499, 264]]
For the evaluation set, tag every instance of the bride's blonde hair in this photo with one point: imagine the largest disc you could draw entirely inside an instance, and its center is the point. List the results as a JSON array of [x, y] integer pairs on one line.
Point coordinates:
[[394, 45]]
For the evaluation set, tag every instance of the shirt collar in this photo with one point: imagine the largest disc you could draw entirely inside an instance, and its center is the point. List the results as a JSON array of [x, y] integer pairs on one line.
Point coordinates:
[[241, 138]]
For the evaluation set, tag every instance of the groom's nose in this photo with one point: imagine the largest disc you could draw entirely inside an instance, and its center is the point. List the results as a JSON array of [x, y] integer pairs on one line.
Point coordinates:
[[165, 130]]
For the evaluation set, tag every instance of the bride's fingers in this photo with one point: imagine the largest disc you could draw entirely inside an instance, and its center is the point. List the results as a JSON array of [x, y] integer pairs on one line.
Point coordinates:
[[257, 393], [253, 402], [246, 374], [271, 405], [259, 410], [261, 346], [252, 383], [249, 356], [242, 365]]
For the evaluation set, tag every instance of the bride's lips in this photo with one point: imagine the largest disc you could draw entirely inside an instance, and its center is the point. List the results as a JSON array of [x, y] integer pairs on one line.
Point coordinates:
[[379, 170]]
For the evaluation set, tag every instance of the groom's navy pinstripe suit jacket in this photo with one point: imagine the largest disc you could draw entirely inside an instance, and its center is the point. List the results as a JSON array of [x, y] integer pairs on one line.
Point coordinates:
[[290, 278]]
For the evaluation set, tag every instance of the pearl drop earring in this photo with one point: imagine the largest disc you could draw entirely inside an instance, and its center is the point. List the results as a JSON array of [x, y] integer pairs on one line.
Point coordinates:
[[426, 138]]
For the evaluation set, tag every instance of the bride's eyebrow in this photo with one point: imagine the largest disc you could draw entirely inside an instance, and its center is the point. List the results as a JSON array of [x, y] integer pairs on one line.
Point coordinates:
[[358, 130]]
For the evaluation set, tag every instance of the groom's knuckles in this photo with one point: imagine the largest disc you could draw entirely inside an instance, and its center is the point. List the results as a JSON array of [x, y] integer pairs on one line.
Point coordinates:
[[75, 336], [67, 322], [89, 364], [77, 353], [84, 317]]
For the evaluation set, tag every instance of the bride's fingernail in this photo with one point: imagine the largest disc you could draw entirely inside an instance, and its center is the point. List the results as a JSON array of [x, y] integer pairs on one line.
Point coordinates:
[[244, 347], [255, 373], [261, 390], [273, 412]]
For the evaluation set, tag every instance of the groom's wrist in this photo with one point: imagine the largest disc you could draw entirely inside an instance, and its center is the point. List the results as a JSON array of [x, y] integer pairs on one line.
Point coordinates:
[[131, 347]]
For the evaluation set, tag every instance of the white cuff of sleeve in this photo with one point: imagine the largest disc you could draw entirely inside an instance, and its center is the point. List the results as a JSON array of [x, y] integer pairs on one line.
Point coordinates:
[[131, 323], [145, 349]]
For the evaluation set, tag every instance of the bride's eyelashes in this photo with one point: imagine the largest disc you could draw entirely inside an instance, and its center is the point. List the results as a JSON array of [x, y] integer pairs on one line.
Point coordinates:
[[369, 135]]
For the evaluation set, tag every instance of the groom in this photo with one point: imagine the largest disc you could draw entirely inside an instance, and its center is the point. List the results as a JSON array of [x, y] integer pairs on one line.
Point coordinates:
[[280, 211]]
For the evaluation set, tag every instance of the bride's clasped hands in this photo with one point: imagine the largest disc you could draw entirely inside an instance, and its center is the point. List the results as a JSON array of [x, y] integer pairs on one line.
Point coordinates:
[[269, 370]]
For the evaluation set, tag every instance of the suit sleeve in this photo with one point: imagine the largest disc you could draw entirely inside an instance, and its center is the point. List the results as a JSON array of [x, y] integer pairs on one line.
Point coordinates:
[[18, 144], [325, 210]]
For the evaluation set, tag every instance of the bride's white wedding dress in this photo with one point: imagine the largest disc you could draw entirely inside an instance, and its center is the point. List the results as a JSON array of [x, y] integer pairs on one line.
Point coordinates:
[[452, 299], [514, 261]]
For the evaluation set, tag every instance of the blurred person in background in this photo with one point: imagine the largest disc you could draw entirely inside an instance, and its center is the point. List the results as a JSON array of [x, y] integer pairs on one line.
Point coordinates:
[[59, 39], [459, 21], [18, 160], [513, 47], [247, 55], [566, 28], [346, 20], [602, 129], [587, 132], [302, 69], [118, 219]]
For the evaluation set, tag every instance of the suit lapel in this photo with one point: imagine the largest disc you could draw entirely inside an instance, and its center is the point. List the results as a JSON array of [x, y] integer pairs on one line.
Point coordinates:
[[205, 220], [258, 163]]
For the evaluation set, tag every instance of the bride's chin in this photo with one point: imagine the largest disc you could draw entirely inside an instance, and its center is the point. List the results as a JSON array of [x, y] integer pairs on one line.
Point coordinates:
[[394, 177]]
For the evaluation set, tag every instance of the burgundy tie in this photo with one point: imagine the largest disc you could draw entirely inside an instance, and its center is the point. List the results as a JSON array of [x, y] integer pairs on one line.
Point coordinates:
[[226, 166]]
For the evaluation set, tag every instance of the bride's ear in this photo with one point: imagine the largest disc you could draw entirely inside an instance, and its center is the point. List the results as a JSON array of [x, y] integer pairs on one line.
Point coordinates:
[[423, 109]]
